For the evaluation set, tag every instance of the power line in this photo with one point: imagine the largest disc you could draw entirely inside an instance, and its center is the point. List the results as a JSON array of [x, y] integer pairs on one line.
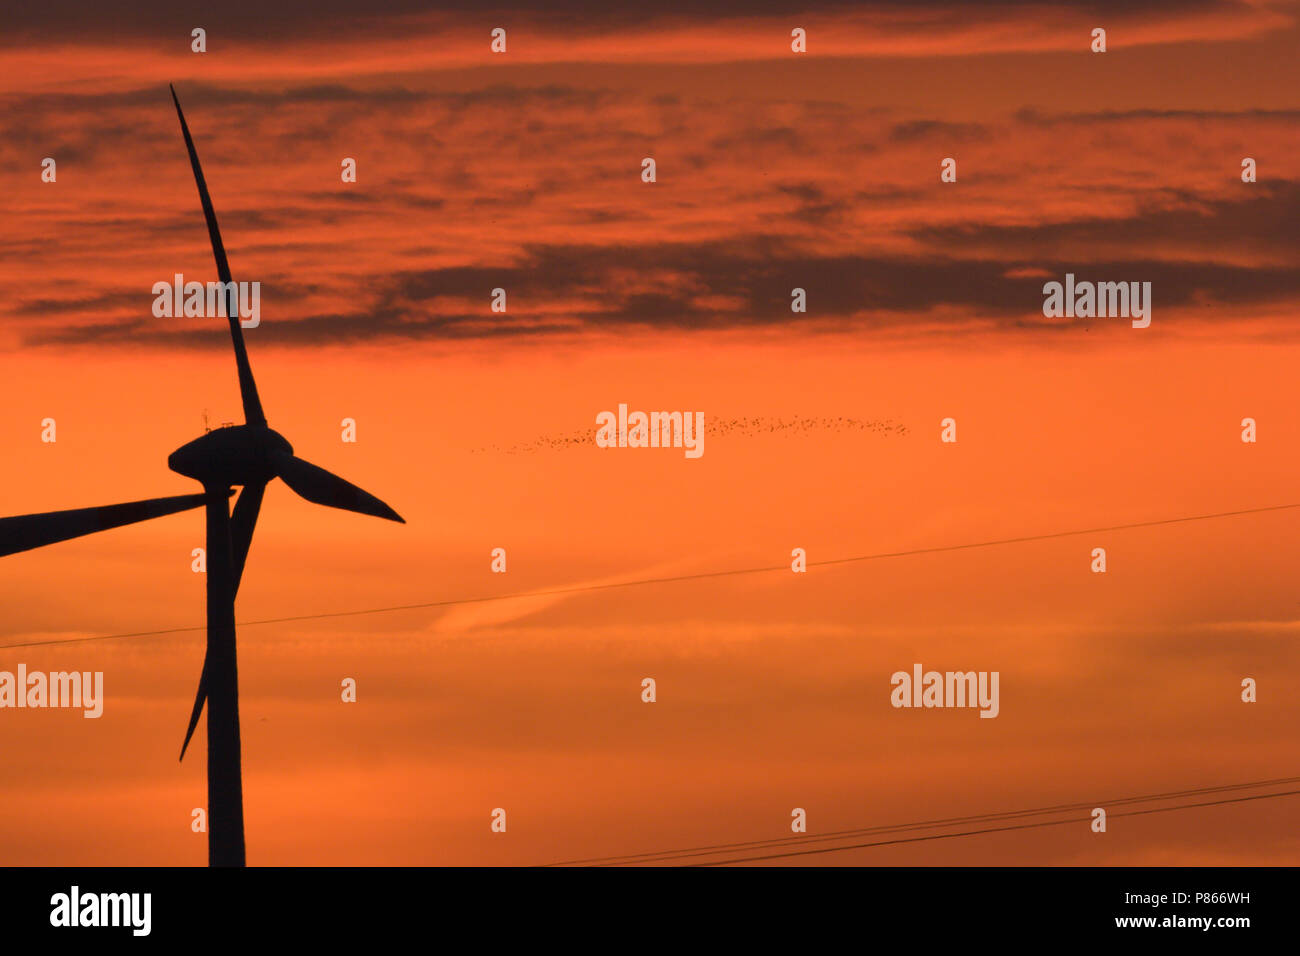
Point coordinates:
[[716, 849], [1021, 826], [642, 582]]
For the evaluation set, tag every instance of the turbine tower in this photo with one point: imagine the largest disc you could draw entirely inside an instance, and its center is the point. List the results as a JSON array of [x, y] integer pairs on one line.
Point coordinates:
[[250, 456]]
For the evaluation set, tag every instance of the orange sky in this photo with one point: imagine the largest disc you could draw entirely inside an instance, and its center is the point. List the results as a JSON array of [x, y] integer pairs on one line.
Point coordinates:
[[924, 303]]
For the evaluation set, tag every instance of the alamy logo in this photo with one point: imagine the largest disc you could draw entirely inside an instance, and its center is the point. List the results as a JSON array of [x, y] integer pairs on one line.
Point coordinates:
[[653, 430], [1102, 300], [216, 300], [950, 689], [103, 909], [56, 689]]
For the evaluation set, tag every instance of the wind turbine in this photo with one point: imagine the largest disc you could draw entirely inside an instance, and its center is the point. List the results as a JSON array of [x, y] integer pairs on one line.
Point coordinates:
[[248, 455]]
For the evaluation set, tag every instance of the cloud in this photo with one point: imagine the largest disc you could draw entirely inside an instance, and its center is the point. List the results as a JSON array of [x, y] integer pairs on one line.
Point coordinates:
[[844, 292], [336, 38], [1261, 218], [934, 129], [529, 181]]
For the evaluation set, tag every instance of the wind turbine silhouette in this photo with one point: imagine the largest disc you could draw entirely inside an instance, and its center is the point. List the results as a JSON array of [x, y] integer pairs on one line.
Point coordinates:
[[248, 455]]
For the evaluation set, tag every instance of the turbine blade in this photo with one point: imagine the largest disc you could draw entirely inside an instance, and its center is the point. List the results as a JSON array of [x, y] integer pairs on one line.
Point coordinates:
[[198, 705], [241, 537], [24, 532], [253, 414], [242, 523], [320, 486]]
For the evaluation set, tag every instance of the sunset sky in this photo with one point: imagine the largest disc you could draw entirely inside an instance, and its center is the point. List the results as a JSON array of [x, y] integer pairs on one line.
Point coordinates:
[[775, 170]]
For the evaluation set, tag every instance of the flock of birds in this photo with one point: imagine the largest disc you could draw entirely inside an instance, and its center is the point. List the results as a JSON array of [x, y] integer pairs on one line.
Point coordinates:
[[721, 428]]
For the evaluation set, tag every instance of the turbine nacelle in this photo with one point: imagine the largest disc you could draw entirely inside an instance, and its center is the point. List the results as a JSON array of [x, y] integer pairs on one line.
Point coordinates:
[[235, 455]]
